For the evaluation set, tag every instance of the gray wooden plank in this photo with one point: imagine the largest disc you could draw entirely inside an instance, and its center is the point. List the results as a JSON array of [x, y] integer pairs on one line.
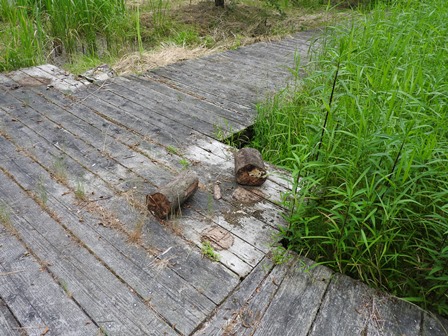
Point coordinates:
[[179, 112], [201, 93], [222, 87], [234, 74], [130, 264], [135, 117], [9, 326], [37, 301], [152, 144], [105, 298], [352, 308], [434, 325], [293, 309], [229, 259], [95, 151], [130, 216], [209, 112], [240, 312], [150, 110]]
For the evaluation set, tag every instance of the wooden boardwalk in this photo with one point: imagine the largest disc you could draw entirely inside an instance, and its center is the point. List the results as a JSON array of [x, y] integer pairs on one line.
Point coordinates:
[[79, 253]]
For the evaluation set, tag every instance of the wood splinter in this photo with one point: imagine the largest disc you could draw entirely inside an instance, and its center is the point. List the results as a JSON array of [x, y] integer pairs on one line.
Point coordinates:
[[249, 167], [166, 200]]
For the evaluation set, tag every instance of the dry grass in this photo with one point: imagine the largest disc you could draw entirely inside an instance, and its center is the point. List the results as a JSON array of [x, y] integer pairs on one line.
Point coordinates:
[[167, 54]]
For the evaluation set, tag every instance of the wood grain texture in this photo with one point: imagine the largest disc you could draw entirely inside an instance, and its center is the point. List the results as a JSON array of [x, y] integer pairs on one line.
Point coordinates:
[[352, 308], [37, 300], [294, 307], [9, 326]]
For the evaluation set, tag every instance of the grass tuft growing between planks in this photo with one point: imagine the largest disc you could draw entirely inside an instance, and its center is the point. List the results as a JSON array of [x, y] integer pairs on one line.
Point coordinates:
[[365, 134]]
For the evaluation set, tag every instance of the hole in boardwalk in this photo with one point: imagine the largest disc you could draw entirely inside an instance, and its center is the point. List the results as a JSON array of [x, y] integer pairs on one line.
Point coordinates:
[[240, 139]]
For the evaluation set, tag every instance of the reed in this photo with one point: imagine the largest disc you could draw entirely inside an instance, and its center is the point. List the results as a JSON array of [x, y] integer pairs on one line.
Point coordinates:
[[370, 164]]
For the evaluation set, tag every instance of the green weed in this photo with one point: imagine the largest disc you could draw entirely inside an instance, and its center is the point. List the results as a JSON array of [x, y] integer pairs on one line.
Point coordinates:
[[4, 215], [209, 252], [185, 163], [172, 150], [42, 192], [366, 137], [60, 170], [80, 192]]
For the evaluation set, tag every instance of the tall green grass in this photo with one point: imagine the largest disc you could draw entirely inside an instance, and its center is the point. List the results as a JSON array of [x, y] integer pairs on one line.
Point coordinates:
[[34, 29], [366, 136]]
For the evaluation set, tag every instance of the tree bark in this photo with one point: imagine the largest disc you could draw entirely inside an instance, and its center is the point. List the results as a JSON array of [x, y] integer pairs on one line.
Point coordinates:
[[166, 200], [249, 167]]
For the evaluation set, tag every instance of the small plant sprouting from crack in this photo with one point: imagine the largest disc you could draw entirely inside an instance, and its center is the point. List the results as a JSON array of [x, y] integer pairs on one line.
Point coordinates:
[[280, 255], [185, 163], [172, 150], [136, 235], [80, 192], [5, 217], [209, 252], [64, 287], [60, 170], [42, 192]]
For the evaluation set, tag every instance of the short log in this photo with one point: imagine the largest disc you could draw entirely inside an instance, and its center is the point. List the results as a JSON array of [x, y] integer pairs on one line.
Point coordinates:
[[166, 200], [249, 167]]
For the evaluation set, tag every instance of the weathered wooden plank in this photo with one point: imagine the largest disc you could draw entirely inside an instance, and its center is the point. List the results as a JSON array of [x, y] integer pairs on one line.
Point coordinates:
[[179, 113], [104, 297], [229, 259], [150, 109], [197, 274], [96, 152], [248, 302], [58, 81], [215, 293], [294, 307], [352, 308], [189, 104], [201, 93], [240, 257], [208, 81], [9, 326], [233, 76], [145, 142], [136, 117], [37, 301], [434, 325], [78, 83]]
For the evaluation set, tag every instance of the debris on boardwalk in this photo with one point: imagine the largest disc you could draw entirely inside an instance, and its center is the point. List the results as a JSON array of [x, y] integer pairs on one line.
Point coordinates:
[[249, 167], [168, 199]]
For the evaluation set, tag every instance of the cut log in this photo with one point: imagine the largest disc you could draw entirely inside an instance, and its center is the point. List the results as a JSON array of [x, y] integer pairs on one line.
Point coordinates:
[[249, 167], [166, 200]]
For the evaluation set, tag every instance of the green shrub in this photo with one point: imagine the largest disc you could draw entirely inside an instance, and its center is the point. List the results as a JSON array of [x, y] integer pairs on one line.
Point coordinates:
[[366, 136]]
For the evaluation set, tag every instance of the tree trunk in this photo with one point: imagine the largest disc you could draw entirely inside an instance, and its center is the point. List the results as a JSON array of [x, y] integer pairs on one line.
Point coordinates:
[[166, 200], [249, 167]]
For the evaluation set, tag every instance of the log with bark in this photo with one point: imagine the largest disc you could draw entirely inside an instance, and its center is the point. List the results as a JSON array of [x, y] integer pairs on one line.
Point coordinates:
[[166, 200], [249, 167]]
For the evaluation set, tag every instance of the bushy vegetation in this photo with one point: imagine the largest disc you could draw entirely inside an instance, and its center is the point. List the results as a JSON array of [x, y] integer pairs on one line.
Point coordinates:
[[366, 136]]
